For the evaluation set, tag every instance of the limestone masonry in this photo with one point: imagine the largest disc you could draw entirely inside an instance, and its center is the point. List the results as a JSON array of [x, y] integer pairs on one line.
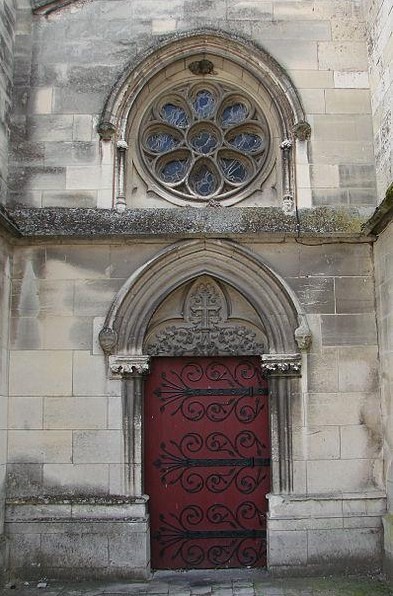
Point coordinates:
[[200, 181]]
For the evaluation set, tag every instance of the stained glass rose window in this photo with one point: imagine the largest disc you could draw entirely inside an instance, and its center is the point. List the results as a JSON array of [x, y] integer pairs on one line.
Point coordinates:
[[204, 141]]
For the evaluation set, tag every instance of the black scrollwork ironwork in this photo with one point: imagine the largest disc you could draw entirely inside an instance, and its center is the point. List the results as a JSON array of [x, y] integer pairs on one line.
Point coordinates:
[[177, 391], [178, 462], [234, 537]]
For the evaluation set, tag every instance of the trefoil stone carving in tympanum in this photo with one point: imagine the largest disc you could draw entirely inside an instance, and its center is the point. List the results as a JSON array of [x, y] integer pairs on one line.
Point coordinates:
[[205, 329]]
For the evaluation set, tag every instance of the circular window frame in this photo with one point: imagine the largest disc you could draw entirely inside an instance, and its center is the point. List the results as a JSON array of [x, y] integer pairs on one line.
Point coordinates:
[[165, 91]]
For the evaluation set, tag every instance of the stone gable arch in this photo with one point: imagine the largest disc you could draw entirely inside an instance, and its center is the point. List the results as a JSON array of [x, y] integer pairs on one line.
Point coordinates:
[[219, 262], [128, 319]]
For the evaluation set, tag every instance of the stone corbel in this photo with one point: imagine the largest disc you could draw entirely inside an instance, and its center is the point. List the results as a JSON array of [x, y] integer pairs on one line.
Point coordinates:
[[281, 364], [121, 366], [302, 131], [303, 335], [106, 130]]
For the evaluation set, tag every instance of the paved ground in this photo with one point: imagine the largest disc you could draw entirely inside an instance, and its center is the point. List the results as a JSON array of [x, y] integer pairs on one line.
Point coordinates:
[[211, 583]]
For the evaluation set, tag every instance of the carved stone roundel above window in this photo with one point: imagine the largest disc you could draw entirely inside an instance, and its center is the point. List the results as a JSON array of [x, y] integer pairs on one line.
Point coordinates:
[[203, 141]]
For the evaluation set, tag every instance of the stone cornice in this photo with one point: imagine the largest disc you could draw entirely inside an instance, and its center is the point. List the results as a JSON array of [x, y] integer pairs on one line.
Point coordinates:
[[189, 222]]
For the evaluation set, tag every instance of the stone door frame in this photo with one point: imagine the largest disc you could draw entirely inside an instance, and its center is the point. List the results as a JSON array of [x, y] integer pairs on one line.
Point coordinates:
[[287, 331]]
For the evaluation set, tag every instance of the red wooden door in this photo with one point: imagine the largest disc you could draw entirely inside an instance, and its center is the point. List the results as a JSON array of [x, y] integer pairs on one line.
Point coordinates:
[[207, 466]]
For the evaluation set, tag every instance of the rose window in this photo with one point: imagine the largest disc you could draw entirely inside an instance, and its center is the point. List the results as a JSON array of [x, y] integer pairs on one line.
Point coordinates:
[[204, 141]]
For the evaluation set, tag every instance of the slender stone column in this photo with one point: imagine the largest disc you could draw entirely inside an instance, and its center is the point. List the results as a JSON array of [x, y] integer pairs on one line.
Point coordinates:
[[132, 369], [121, 167], [283, 372]]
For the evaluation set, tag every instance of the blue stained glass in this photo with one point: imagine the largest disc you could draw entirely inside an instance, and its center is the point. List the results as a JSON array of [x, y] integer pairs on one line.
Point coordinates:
[[203, 181], [204, 104], [247, 142], [161, 142], [233, 170], [204, 142], [174, 171], [174, 115], [234, 114]]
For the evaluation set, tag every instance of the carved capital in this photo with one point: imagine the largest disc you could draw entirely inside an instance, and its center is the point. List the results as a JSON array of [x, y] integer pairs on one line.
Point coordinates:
[[281, 364], [106, 130], [302, 131], [128, 365], [108, 339]]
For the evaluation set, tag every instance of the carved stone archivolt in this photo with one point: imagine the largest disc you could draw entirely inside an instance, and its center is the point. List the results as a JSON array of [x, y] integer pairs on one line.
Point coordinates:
[[205, 328]]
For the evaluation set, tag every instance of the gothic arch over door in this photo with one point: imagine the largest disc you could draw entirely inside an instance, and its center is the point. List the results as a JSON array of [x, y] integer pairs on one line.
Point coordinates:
[[277, 327]]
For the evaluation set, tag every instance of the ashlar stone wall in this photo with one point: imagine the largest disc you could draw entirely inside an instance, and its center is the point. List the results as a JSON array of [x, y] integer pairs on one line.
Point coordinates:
[[5, 292], [7, 34], [73, 56], [379, 19], [67, 438], [383, 251]]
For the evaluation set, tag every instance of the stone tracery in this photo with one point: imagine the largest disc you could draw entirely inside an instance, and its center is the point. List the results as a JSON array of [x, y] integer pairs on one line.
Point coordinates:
[[204, 140]]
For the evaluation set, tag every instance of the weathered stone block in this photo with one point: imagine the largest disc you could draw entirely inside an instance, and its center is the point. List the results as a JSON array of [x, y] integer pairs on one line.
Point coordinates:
[[75, 153], [250, 10], [74, 550], [322, 408], [316, 442], [50, 127], [360, 442], [354, 294], [72, 198], [39, 446], [336, 260], [89, 177], [25, 413], [75, 413], [90, 376], [24, 480], [76, 479], [293, 54], [93, 298], [316, 294], [341, 330], [358, 369], [327, 545], [322, 372], [342, 55], [44, 373], [68, 263], [348, 101], [98, 446], [287, 548], [132, 550], [357, 176], [349, 475], [351, 80]]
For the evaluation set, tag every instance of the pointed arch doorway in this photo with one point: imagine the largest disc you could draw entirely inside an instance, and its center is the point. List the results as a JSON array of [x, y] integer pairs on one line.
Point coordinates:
[[207, 445], [157, 314]]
